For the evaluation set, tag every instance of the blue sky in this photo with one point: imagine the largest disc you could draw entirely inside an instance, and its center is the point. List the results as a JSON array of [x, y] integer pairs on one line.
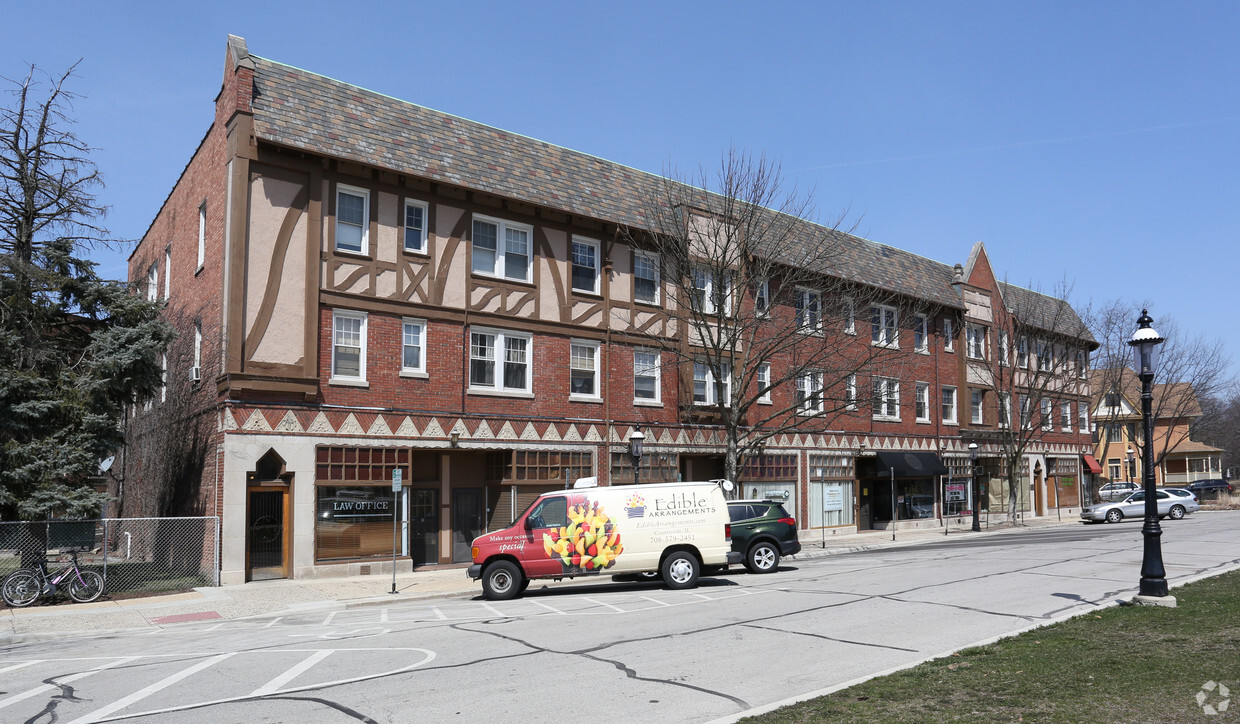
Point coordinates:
[[1097, 143]]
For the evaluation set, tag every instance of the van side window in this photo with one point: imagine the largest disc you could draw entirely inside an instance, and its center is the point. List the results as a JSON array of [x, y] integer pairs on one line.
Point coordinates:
[[550, 513]]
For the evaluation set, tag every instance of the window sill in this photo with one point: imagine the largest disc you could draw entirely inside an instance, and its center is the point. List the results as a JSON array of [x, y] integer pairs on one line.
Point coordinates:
[[585, 398], [499, 393], [648, 303], [415, 252], [648, 403], [199, 269], [359, 255], [953, 423], [414, 374], [923, 422], [923, 350], [766, 402], [498, 278], [587, 293], [885, 418], [888, 345], [347, 382]]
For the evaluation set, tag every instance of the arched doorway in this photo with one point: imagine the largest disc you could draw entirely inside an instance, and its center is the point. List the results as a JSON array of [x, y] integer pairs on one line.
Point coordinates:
[[268, 529]]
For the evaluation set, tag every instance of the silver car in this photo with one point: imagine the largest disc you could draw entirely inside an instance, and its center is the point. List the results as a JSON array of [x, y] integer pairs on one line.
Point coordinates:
[[1169, 506]]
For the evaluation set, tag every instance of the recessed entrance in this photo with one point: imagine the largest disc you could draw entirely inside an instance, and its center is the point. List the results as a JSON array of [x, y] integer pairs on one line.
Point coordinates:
[[267, 520]]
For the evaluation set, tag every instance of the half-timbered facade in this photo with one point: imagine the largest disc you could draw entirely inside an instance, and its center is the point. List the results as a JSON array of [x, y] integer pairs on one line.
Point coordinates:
[[373, 286]]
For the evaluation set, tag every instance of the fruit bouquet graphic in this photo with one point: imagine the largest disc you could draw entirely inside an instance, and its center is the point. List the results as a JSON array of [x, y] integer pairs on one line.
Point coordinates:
[[590, 543]]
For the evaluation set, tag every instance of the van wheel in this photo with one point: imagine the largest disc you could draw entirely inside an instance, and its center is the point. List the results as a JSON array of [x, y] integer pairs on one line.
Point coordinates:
[[763, 558], [501, 581], [680, 570]]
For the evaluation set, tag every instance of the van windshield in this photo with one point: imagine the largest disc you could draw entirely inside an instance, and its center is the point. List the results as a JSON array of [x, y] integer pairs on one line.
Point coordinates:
[[549, 513]]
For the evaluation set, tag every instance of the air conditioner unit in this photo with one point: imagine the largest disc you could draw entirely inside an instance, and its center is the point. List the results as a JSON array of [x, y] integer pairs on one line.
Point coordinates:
[[195, 373]]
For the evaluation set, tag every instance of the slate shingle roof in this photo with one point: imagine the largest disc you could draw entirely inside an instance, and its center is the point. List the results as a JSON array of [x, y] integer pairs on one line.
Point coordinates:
[[1045, 312], [304, 110]]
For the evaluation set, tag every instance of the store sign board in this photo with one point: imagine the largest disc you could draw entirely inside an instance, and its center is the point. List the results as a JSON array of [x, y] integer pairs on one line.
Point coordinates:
[[833, 498]]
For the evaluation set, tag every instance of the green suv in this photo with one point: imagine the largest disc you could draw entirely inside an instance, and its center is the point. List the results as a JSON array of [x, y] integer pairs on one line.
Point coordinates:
[[762, 531]]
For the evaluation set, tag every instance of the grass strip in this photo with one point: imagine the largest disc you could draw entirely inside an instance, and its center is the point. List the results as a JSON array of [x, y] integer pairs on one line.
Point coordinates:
[[1121, 664]]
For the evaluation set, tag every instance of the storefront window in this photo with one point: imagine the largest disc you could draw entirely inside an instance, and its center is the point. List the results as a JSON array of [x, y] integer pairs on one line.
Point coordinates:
[[354, 521], [657, 467], [914, 499]]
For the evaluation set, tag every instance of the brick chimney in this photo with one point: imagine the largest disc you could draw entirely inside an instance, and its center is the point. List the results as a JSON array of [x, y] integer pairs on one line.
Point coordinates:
[[238, 89]]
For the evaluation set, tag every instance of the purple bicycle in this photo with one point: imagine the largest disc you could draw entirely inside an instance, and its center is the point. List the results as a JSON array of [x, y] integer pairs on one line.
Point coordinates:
[[23, 587]]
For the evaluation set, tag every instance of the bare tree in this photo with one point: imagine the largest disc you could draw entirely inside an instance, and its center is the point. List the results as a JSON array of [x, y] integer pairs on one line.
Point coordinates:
[[1041, 352], [1191, 369], [761, 304], [1220, 426], [74, 348]]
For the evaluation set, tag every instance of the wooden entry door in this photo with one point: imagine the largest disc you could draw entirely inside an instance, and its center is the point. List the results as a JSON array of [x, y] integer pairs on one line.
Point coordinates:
[[424, 525], [267, 533]]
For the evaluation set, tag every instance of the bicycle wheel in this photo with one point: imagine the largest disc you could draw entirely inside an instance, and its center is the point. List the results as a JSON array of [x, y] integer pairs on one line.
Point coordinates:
[[85, 586], [21, 589]]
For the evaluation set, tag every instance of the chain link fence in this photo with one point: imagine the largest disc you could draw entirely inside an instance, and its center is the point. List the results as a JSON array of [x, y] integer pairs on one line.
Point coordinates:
[[135, 556]]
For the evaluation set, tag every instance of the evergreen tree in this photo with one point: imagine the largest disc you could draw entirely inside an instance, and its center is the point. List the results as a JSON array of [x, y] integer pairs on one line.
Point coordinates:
[[75, 349]]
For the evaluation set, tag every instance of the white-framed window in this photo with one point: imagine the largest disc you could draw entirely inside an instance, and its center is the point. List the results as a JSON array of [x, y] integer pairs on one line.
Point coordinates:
[[1046, 356], [850, 316], [198, 344], [884, 330], [1022, 352], [417, 214], [949, 405], [152, 282], [809, 393], [886, 399], [975, 341], [1005, 409], [762, 298], [646, 276], [413, 346], [1048, 415], [163, 377], [1065, 416], [1026, 413], [808, 309], [583, 372], [922, 399], [585, 265], [202, 235], [1113, 467], [499, 361], [348, 346], [352, 219], [921, 333], [1082, 364], [850, 392], [764, 383], [1003, 347], [704, 392], [646, 376], [1082, 413], [712, 292], [977, 413], [501, 248], [949, 335], [168, 271]]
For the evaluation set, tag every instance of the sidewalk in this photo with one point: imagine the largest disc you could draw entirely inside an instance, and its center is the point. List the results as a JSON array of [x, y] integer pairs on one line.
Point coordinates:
[[287, 597]]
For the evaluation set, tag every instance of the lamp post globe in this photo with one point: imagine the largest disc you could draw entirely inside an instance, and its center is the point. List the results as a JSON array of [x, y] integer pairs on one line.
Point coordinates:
[[635, 451], [977, 495], [1144, 343]]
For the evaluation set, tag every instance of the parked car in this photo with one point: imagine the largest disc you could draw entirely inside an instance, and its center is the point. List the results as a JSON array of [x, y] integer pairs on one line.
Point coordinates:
[[1183, 493], [1117, 490], [1212, 487], [762, 532], [1169, 506]]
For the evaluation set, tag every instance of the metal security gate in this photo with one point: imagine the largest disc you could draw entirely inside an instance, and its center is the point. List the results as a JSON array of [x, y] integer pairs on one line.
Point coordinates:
[[267, 533]]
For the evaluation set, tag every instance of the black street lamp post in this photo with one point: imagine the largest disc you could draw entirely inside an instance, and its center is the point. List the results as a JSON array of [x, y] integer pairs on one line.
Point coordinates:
[[1132, 469], [977, 495], [1144, 345], [635, 452]]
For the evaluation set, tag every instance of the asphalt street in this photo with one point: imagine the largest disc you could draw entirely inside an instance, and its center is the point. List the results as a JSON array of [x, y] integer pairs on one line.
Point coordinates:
[[737, 644]]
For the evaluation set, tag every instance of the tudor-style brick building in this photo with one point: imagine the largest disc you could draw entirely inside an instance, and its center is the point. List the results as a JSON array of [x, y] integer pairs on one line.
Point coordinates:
[[371, 285]]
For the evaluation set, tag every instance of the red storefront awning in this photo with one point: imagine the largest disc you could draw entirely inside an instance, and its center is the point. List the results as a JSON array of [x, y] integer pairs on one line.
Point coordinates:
[[1092, 465]]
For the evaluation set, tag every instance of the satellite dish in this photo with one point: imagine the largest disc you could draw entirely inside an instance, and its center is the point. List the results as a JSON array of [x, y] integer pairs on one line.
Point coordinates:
[[728, 486], [107, 464]]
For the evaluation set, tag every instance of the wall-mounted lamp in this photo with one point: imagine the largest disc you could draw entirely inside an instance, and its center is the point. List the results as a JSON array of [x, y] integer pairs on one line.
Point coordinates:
[[454, 439]]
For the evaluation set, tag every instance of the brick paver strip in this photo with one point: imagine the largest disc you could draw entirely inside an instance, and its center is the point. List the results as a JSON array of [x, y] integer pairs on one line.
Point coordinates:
[[183, 617]]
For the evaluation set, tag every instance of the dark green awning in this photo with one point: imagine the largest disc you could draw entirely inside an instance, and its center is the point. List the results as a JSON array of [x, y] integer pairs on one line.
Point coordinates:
[[910, 464]]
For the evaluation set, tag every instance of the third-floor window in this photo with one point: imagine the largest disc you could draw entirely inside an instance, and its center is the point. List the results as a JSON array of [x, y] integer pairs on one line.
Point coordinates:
[[352, 219], [975, 341], [585, 265], [646, 277], [883, 329], [809, 310], [501, 249]]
